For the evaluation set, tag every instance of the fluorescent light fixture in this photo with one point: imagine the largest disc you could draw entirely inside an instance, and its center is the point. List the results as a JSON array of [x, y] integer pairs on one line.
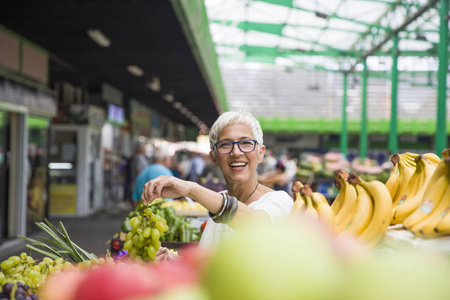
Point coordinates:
[[60, 166], [177, 105], [169, 97], [154, 84], [99, 37], [135, 70]]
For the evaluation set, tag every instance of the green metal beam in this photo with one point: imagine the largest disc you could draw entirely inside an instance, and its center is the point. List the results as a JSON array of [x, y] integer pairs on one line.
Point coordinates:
[[194, 22], [363, 141], [393, 139], [388, 36], [277, 29], [286, 52], [441, 136], [289, 4], [426, 127], [344, 135]]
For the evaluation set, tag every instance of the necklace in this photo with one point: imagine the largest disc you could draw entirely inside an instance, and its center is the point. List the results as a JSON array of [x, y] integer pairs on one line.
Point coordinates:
[[257, 184]]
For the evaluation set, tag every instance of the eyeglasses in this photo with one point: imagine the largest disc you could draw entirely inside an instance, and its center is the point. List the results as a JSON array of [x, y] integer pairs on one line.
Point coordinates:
[[226, 147]]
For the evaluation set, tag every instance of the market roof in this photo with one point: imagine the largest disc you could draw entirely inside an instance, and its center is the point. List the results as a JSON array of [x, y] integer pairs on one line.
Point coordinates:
[[285, 60], [155, 36], [333, 34]]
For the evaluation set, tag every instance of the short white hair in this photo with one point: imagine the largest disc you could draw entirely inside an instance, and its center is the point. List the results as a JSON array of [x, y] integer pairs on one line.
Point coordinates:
[[161, 152], [233, 117]]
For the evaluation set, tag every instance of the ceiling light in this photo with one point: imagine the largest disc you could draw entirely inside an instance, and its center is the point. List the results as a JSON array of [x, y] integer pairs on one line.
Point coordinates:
[[154, 84], [60, 166], [135, 70], [99, 37], [421, 37], [169, 97], [321, 15], [177, 105]]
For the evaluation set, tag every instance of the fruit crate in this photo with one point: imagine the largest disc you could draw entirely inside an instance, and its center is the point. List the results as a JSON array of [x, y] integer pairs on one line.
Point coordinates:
[[118, 241]]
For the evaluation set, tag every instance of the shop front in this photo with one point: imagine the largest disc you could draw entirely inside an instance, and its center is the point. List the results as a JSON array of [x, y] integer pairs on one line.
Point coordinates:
[[25, 115], [75, 166]]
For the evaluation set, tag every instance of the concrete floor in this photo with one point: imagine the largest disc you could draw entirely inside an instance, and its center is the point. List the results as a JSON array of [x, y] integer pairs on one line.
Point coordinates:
[[90, 233]]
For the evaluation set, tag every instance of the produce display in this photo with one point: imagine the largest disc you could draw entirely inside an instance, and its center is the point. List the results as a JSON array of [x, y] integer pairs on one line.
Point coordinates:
[[183, 205], [337, 245], [427, 203], [415, 195], [143, 240], [179, 227]]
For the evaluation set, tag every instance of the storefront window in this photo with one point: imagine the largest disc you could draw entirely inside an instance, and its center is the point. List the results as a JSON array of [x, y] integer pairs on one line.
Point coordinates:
[[4, 173], [37, 171]]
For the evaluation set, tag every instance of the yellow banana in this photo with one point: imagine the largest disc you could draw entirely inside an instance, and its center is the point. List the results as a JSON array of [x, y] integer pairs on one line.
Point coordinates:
[[433, 157], [405, 174], [415, 190], [321, 197], [349, 197], [432, 195], [408, 159], [344, 223], [382, 212], [337, 203], [299, 201], [426, 227], [443, 227], [310, 210], [393, 181], [324, 210], [364, 210]]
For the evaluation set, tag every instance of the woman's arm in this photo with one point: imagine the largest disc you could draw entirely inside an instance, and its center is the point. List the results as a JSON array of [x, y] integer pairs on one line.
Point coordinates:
[[172, 187]]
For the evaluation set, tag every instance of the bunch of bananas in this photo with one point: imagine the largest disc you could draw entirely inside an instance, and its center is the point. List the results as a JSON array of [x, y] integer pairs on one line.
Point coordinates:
[[430, 218], [312, 204], [408, 198], [362, 208]]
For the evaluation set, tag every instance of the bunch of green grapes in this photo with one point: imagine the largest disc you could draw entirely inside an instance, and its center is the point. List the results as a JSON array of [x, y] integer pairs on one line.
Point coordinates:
[[142, 242], [29, 272]]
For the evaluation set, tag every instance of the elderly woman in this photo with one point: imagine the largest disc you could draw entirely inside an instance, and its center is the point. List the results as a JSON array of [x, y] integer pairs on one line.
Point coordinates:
[[236, 142]]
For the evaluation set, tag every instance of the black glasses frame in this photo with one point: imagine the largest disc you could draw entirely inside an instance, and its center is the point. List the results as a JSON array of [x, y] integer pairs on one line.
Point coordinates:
[[234, 143]]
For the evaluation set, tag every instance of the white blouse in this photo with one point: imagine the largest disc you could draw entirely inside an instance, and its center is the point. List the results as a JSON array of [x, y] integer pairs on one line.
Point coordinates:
[[277, 204]]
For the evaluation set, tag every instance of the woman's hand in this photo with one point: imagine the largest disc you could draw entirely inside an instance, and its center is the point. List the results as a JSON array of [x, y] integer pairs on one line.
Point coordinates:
[[165, 187]]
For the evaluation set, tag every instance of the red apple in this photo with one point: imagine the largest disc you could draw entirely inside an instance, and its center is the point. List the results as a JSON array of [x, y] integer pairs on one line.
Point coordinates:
[[124, 280], [63, 285]]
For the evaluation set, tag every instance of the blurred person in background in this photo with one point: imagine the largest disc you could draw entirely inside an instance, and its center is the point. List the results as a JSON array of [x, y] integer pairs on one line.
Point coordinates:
[[197, 166], [184, 165], [162, 162], [278, 179], [291, 166], [269, 162], [236, 143], [138, 163]]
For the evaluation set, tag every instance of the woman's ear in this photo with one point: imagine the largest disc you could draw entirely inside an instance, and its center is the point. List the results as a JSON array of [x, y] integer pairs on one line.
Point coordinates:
[[262, 151], [213, 158]]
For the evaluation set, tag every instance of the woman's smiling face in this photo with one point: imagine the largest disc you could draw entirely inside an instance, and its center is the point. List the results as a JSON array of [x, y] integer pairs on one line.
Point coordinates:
[[238, 166]]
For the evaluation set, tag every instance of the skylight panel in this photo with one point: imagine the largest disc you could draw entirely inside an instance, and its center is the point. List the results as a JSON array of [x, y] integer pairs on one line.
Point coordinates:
[[414, 45], [336, 39], [343, 25], [365, 11], [324, 6], [267, 13]]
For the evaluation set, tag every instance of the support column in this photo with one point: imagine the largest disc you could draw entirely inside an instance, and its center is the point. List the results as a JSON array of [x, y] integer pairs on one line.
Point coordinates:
[[363, 143], [441, 136], [393, 138], [344, 137]]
